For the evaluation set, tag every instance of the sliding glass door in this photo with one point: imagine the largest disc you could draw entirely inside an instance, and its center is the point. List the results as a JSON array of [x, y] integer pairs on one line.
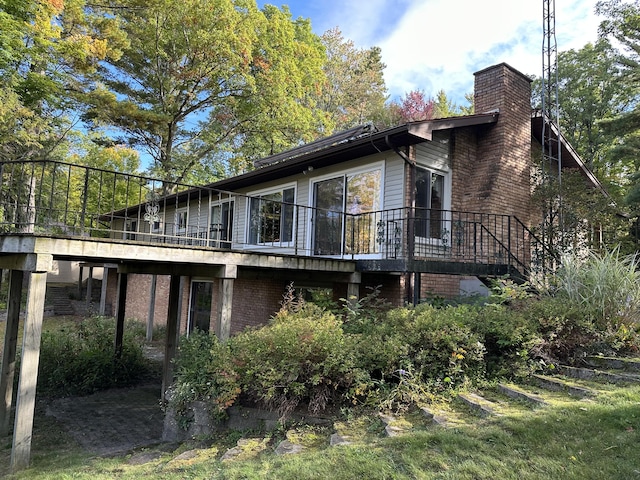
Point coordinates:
[[345, 215]]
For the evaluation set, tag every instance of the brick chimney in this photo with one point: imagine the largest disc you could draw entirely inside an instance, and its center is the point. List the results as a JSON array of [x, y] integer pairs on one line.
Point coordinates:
[[501, 171]]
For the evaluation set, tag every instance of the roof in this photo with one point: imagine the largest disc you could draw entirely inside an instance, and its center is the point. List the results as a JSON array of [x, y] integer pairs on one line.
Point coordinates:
[[568, 156], [353, 143]]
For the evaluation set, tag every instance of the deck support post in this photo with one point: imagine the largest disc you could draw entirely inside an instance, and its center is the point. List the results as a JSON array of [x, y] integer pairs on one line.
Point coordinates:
[[152, 307], [353, 288], [225, 302], [16, 278], [25, 405], [89, 287], [103, 291], [80, 275], [120, 312], [171, 344]]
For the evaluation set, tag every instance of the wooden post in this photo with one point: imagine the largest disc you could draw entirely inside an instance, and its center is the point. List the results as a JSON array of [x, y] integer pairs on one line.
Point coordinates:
[[10, 346], [152, 307], [103, 291], [25, 405], [225, 300], [80, 272], [353, 288], [89, 286], [120, 310], [171, 345]]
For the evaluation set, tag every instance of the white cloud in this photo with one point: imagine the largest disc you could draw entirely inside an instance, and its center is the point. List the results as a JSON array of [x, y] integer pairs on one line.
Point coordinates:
[[439, 44]]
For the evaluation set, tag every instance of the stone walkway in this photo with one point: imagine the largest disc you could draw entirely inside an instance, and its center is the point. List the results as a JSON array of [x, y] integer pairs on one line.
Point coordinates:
[[114, 421]]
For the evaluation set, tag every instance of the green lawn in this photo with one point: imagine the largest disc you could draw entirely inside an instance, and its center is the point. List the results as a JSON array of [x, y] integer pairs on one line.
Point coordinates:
[[589, 439]]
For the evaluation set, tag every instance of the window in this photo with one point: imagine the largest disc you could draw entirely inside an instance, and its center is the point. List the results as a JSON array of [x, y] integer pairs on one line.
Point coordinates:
[[181, 221], [271, 217], [357, 194], [221, 228], [429, 203], [131, 227]]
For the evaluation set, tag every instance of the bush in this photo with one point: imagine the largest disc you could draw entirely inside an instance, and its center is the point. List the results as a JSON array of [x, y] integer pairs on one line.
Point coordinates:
[[592, 307], [302, 357], [80, 359], [443, 347], [508, 337], [204, 371]]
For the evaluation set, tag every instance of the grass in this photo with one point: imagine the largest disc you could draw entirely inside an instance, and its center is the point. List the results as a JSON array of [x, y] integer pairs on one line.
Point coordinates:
[[594, 439]]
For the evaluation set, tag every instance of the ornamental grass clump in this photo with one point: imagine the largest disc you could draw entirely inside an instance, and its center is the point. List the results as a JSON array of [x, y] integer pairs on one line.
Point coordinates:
[[593, 307], [607, 283]]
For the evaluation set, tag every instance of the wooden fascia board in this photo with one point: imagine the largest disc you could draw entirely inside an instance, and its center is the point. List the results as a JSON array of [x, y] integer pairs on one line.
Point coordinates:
[[425, 129]]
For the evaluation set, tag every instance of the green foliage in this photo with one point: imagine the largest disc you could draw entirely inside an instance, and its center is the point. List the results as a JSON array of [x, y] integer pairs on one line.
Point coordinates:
[[204, 371], [390, 358], [442, 345], [303, 356], [80, 359], [606, 283], [354, 91], [593, 307]]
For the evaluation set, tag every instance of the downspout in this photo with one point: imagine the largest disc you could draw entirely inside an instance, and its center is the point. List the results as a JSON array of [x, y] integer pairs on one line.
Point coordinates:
[[414, 295]]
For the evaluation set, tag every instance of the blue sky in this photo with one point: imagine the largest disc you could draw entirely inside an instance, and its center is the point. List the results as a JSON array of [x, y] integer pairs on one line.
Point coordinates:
[[439, 44]]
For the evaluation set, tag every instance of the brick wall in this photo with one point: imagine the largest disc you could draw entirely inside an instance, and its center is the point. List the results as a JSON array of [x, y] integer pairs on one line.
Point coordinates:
[[447, 286], [255, 301], [500, 181]]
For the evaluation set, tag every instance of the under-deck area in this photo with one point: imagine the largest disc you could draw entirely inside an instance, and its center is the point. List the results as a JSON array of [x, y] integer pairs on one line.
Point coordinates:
[[29, 258]]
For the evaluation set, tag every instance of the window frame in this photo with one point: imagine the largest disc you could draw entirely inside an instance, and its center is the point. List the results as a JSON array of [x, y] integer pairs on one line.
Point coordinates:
[[254, 237], [180, 229], [378, 165]]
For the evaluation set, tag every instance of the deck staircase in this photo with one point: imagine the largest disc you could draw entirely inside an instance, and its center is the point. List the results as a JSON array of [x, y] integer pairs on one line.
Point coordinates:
[[58, 296]]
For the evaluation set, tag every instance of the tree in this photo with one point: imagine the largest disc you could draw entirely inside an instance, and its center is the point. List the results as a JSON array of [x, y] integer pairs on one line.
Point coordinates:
[[622, 23], [202, 78], [590, 90], [414, 106], [282, 110], [354, 91], [443, 107]]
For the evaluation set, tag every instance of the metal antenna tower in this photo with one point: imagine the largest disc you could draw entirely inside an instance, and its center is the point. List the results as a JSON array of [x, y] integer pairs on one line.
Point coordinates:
[[552, 154]]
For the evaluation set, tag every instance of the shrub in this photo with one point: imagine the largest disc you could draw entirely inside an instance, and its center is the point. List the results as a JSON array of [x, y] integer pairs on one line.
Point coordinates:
[[302, 357], [80, 359], [204, 371], [508, 336], [442, 347]]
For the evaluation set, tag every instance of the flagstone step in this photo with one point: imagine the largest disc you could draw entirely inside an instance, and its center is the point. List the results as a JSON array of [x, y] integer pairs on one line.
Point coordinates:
[[599, 375], [518, 393], [558, 385], [478, 404], [599, 361]]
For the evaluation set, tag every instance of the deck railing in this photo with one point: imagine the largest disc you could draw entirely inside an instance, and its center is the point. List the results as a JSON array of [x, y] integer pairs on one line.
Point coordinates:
[[61, 199]]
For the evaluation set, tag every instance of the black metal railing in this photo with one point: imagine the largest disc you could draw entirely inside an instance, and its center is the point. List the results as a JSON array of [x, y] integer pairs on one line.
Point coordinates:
[[55, 198]]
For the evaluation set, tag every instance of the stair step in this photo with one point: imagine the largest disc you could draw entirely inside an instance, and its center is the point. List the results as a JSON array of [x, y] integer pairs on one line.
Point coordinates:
[[519, 394], [593, 374], [58, 297], [630, 364], [480, 405], [433, 417], [558, 385]]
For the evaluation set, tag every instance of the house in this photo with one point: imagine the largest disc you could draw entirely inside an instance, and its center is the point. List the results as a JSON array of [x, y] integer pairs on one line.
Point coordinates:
[[427, 208], [430, 207]]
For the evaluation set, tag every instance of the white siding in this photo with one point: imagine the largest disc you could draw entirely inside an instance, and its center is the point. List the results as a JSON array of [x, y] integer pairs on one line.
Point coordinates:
[[435, 154], [393, 182]]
